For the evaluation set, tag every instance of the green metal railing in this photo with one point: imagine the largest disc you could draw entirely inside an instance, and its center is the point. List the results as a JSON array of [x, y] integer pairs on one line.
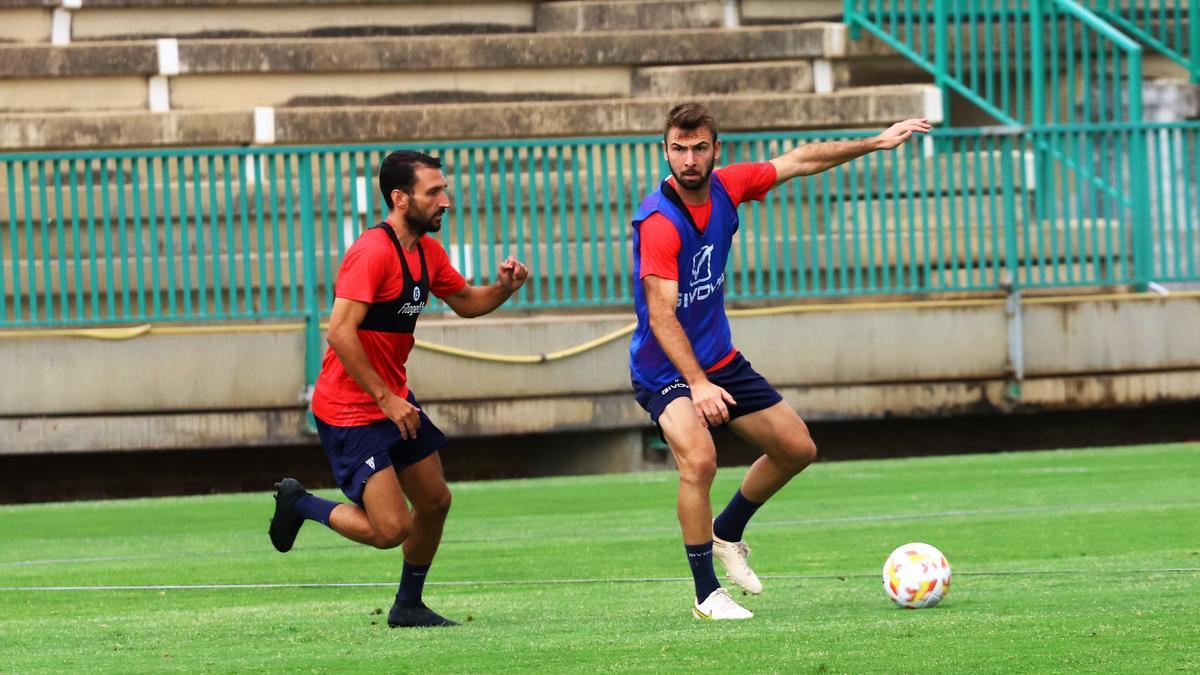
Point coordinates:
[[231, 234], [110, 238], [1169, 26], [1040, 62], [1020, 61]]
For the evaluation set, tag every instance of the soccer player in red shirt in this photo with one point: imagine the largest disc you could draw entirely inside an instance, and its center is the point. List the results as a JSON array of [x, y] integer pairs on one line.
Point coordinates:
[[382, 447], [686, 372]]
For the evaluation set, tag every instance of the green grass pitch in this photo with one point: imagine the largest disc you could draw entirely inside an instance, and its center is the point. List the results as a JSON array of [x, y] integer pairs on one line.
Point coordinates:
[[1067, 561]]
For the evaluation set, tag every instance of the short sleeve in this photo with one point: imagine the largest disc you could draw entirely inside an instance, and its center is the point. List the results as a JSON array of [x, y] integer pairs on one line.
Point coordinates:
[[659, 248], [363, 271], [444, 280], [749, 181]]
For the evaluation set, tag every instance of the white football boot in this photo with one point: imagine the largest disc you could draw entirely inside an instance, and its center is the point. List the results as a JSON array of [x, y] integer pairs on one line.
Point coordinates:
[[732, 555], [719, 606]]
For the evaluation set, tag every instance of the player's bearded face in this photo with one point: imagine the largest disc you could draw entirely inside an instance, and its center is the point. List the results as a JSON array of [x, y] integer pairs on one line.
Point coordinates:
[[429, 201], [424, 221], [691, 156]]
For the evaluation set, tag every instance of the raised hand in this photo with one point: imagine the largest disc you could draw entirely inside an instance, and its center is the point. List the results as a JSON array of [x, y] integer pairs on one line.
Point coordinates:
[[900, 132], [512, 274]]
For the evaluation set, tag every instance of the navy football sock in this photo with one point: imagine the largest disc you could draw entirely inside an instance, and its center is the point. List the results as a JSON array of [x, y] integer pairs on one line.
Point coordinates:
[[731, 524], [412, 582], [311, 507], [700, 558]]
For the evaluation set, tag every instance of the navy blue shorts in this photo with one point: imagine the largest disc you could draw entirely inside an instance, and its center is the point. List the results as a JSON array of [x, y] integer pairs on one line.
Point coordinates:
[[751, 390], [357, 453]]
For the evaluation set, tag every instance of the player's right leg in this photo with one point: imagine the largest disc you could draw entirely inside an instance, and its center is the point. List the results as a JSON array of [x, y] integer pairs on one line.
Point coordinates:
[[359, 458], [696, 458], [386, 524], [383, 520]]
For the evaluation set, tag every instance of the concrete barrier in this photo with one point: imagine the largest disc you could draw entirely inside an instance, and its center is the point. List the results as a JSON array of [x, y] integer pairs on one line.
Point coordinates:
[[844, 361]]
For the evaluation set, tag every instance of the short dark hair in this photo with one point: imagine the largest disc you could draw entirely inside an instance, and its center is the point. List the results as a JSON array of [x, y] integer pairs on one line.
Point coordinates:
[[689, 117], [399, 171]]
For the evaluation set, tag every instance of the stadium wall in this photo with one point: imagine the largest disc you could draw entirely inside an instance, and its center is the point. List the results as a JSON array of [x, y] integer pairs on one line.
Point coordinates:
[[185, 388]]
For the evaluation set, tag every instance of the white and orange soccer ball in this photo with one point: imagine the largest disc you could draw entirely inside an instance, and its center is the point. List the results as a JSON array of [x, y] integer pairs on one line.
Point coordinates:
[[916, 575]]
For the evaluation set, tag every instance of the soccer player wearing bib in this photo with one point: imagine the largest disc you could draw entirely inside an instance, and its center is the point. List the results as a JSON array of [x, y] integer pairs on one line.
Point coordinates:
[[382, 447], [686, 372]]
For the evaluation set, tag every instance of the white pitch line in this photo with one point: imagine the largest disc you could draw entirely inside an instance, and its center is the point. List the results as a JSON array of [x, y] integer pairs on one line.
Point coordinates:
[[560, 582]]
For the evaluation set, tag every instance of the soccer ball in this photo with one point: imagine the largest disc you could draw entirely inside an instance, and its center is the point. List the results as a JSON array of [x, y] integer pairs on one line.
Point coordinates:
[[916, 575]]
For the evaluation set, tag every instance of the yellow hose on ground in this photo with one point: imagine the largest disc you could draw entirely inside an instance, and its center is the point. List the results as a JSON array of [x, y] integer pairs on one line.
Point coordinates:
[[130, 332]]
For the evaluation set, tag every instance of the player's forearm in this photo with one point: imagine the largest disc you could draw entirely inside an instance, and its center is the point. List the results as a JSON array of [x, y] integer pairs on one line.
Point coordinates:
[[814, 158], [350, 352], [677, 347], [482, 300]]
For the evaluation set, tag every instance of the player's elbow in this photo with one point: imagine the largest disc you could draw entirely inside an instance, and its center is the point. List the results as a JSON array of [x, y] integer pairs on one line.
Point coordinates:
[[466, 304], [467, 312], [336, 338], [340, 337]]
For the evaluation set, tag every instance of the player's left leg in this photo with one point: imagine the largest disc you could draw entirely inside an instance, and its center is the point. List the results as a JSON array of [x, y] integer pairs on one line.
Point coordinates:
[[788, 448], [425, 485], [787, 445]]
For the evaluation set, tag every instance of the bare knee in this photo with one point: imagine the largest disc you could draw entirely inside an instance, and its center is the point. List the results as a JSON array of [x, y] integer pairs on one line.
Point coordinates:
[[800, 451], [437, 506], [392, 535], [698, 471]]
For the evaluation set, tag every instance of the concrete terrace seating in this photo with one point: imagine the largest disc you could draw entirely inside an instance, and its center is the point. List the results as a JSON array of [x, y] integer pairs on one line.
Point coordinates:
[[94, 20], [487, 69], [90, 20]]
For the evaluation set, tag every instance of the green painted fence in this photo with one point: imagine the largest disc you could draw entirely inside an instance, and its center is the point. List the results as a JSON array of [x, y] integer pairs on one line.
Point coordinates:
[[230, 234], [1169, 26], [1031, 62], [1021, 61], [111, 238]]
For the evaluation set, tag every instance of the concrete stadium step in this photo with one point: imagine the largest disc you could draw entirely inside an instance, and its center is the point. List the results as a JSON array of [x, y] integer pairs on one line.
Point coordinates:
[[408, 54], [189, 19], [732, 78], [305, 72], [26, 21], [610, 15], [759, 12], [204, 20], [433, 87], [866, 107], [386, 89]]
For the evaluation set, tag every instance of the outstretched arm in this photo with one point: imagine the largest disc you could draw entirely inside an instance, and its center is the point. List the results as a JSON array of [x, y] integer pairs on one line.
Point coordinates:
[[473, 301], [812, 158]]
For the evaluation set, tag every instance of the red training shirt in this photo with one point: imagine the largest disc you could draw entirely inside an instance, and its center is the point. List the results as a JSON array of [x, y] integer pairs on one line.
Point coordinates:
[[371, 273], [660, 240]]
